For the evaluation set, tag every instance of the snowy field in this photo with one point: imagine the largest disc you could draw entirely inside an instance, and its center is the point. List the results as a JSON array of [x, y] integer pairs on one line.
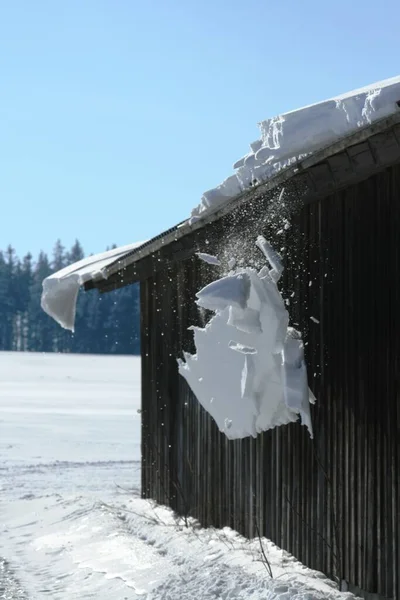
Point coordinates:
[[72, 524]]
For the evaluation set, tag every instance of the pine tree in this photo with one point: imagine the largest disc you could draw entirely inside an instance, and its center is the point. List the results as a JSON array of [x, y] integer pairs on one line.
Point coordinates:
[[123, 321], [4, 303], [9, 299], [25, 279], [58, 341], [41, 330], [104, 323], [59, 257], [75, 254]]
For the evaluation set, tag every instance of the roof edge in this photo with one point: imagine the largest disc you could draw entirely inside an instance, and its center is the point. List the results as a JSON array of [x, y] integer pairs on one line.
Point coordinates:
[[184, 228]]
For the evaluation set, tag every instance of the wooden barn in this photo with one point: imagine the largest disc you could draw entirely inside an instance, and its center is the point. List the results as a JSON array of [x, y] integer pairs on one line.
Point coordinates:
[[332, 501]]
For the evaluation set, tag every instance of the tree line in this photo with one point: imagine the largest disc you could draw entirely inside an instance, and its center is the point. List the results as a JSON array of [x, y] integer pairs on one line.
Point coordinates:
[[105, 324]]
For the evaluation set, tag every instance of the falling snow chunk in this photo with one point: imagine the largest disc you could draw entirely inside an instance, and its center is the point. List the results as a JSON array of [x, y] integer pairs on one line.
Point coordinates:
[[272, 257], [60, 290], [250, 362], [208, 258], [232, 290], [294, 135], [314, 319]]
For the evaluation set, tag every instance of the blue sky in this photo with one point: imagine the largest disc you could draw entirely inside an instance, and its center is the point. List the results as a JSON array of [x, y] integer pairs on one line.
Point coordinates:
[[115, 115]]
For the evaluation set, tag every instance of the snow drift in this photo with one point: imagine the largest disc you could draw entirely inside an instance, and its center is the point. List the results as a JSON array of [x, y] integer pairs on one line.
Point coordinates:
[[249, 371], [288, 137], [60, 290], [73, 524]]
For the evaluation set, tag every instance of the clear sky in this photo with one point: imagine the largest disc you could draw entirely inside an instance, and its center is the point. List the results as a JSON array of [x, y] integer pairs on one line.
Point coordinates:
[[117, 114]]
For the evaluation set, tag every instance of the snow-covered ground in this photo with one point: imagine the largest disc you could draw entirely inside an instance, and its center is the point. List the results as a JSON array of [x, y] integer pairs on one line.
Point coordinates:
[[72, 524]]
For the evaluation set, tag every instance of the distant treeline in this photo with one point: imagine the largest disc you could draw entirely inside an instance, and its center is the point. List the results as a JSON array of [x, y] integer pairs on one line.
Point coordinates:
[[105, 324]]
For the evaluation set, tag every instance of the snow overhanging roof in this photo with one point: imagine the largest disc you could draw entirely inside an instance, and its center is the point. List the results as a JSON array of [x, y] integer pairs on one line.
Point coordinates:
[[324, 130], [290, 144], [185, 228], [60, 290]]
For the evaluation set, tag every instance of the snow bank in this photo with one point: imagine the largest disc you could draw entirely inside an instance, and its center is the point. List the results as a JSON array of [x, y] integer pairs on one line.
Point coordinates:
[[288, 137], [60, 290], [249, 371], [125, 547]]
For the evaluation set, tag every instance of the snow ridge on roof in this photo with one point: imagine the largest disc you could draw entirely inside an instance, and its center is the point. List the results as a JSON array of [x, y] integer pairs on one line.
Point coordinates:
[[293, 135]]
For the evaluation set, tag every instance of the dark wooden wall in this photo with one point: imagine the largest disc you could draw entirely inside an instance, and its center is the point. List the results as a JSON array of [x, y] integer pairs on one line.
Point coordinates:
[[334, 502]]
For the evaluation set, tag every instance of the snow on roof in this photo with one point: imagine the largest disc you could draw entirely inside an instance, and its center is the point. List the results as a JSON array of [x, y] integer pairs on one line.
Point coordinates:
[[290, 136], [284, 140], [60, 290]]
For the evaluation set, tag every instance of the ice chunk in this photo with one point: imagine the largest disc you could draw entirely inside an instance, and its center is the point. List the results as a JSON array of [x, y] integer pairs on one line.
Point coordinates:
[[208, 258], [221, 371], [232, 290], [272, 257], [250, 363]]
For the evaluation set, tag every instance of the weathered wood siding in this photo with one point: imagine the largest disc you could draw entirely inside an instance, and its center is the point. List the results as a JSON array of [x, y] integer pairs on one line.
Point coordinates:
[[334, 502]]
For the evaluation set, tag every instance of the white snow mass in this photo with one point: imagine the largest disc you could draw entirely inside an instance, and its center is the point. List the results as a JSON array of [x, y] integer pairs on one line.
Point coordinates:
[[288, 137], [249, 370], [208, 258], [60, 290]]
